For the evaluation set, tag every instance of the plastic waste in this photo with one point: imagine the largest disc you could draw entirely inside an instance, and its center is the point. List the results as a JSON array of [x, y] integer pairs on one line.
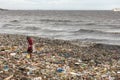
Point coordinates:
[[57, 64], [13, 54], [28, 56], [8, 78], [29, 72], [76, 74], [24, 54], [6, 68], [1, 62], [111, 78], [60, 70], [77, 63], [84, 65], [118, 72], [37, 78], [1, 71]]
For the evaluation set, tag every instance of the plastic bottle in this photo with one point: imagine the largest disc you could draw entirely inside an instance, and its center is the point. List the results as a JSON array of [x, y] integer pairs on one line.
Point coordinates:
[[6, 68], [60, 70]]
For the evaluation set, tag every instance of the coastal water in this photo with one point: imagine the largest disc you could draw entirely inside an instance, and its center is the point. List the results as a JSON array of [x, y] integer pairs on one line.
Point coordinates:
[[93, 26]]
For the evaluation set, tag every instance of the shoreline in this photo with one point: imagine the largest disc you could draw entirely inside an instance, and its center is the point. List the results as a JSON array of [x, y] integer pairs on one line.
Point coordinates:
[[57, 45], [74, 42], [50, 55]]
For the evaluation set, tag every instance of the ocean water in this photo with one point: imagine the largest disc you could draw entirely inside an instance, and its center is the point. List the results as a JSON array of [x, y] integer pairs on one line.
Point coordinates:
[[94, 26]]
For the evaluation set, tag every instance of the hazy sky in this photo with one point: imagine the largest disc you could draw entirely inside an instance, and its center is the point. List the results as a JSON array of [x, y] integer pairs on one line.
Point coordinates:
[[60, 4]]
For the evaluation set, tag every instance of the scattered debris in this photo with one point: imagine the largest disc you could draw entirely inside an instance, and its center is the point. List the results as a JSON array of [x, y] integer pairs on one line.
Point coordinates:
[[57, 60]]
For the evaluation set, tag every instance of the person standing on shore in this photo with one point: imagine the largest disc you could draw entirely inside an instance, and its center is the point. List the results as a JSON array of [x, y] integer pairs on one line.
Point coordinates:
[[30, 46]]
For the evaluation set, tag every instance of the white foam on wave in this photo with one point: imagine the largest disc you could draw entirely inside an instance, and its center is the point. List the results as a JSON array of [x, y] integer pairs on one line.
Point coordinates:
[[113, 31]]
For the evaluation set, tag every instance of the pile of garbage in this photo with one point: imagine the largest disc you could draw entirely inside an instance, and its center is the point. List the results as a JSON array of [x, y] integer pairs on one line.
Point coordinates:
[[57, 60]]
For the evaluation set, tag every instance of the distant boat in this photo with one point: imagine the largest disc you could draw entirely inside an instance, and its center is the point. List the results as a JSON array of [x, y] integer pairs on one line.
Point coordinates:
[[116, 9], [1, 9]]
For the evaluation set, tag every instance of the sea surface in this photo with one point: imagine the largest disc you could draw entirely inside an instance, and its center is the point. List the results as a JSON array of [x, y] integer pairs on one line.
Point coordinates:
[[99, 26]]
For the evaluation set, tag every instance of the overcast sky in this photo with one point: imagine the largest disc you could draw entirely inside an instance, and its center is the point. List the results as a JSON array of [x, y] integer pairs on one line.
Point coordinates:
[[60, 4]]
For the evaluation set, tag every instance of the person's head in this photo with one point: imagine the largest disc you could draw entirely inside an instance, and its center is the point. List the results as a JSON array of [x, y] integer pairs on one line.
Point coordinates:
[[28, 37]]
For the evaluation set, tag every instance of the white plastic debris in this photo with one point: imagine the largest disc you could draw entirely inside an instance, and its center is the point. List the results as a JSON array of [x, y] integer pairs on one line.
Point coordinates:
[[77, 63], [118, 72], [13, 54], [75, 74], [37, 78]]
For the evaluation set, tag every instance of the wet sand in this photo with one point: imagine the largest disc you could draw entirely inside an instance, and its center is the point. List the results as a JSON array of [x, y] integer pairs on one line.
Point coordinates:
[[78, 60]]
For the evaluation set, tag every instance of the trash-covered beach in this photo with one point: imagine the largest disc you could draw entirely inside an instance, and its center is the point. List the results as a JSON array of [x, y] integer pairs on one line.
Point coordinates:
[[57, 60]]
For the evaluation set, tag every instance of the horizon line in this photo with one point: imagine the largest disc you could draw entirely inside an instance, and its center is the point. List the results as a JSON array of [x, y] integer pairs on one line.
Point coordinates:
[[61, 9], [54, 9]]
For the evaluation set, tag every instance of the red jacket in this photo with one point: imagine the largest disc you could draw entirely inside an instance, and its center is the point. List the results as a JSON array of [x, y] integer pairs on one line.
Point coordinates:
[[30, 41]]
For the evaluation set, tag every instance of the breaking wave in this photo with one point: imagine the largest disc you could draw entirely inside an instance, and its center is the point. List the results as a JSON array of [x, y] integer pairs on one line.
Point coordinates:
[[53, 20]]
